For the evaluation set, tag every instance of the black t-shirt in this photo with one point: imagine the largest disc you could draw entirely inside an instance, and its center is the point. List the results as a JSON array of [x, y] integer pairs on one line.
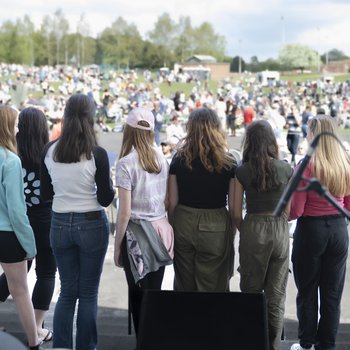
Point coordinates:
[[200, 188], [37, 209]]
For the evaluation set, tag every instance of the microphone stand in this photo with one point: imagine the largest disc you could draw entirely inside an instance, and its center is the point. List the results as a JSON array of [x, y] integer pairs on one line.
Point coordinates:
[[315, 185]]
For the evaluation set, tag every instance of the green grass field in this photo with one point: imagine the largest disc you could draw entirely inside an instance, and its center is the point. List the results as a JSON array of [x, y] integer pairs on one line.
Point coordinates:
[[186, 88], [313, 77]]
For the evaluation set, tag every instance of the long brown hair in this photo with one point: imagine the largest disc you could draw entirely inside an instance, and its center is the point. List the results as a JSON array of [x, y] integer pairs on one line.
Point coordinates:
[[8, 118], [142, 141], [78, 137], [330, 163], [259, 147], [206, 141]]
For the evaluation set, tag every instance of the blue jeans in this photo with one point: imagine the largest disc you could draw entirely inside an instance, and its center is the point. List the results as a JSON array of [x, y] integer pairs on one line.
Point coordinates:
[[79, 242]]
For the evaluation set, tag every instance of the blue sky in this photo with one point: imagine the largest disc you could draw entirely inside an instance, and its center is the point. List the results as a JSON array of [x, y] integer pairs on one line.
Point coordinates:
[[251, 27]]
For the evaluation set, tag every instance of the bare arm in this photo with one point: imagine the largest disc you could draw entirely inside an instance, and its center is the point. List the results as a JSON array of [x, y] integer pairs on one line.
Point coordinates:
[[287, 210], [173, 196], [237, 203], [123, 218]]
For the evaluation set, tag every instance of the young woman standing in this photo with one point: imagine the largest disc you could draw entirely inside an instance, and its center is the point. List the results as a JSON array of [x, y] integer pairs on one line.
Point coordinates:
[[264, 239], [200, 186], [17, 243], [32, 136], [321, 240], [144, 237], [75, 175]]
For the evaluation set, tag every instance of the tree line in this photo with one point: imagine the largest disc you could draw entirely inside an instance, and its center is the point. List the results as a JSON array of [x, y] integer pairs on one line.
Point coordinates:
[[120, 45]]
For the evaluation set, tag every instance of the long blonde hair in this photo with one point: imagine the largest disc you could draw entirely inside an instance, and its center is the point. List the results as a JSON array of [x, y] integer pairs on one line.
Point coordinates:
[[206, 141], [8, 117], [142, 141], [330, 163]]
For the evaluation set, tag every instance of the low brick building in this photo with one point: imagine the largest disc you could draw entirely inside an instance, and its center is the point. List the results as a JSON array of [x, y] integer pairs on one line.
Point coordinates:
[[336, 67], [218, 70]]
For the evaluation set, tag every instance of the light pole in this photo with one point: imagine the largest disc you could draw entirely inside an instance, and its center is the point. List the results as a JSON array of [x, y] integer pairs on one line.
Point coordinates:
[[283, 36], [319, 56], [239, 58]]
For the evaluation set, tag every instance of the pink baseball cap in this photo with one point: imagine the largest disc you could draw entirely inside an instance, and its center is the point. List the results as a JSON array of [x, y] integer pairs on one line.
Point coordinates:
[[140, 114]]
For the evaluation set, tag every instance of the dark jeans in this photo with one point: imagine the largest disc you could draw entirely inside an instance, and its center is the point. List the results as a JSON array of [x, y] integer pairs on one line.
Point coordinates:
[[304, 130], [319, 255], [45, 263], [157, 130], [153, 280], [292, 144]]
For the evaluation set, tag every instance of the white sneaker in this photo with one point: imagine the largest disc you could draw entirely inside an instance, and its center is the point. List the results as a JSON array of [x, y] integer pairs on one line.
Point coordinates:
[[297, 346]]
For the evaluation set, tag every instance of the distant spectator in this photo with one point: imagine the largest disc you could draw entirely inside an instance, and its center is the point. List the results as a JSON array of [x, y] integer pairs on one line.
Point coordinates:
[[293, 121], [306, 115], [248, 115], [175, 128], [56, 129], [158, 120], [169, 148], [231, 110], [220, 107]]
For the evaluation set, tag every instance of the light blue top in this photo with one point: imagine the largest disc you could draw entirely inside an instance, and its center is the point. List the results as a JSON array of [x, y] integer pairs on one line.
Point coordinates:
[[13, 210]]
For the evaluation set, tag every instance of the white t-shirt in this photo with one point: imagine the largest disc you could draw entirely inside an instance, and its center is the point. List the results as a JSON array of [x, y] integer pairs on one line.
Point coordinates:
[[74, 184], [148, 190]]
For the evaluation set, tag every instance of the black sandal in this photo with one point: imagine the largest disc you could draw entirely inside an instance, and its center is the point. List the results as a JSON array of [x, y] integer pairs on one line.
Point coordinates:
[[48, 337]]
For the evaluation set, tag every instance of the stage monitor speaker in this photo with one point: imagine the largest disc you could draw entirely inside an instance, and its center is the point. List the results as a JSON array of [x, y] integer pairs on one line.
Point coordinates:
[[9, 342], [174, 320]]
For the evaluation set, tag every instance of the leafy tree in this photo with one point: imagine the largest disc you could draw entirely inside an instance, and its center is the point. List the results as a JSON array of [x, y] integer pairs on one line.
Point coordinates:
[[234, 67], [16, 41], [47, 31], [296, 56], [40, 48], [270, 64], [185, 39], [8, 39], [334, 55], [208, 42], [82, 32], [164, 32], [90, 50], [155, 56], [60, 31], [253, 64], [25, 30], [120, 44]]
